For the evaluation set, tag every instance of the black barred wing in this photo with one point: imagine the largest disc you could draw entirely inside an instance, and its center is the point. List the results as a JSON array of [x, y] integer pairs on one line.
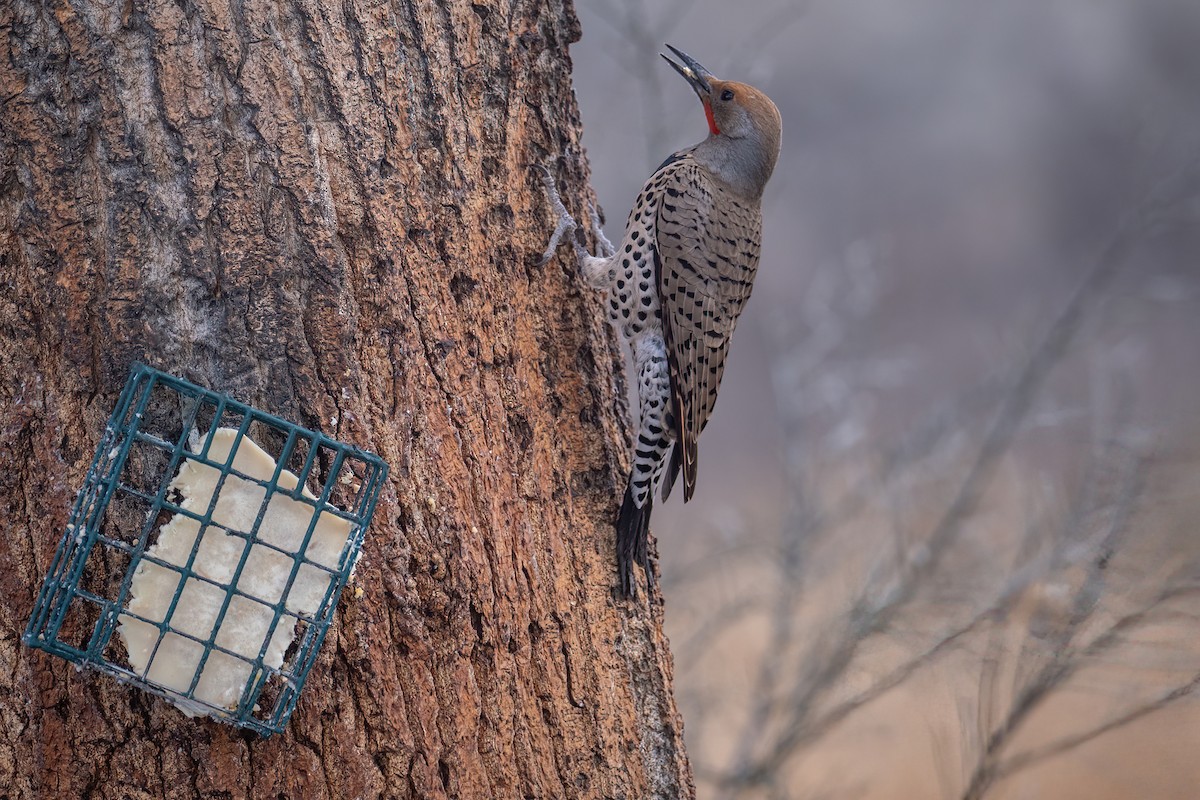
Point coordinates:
[[706, 253]]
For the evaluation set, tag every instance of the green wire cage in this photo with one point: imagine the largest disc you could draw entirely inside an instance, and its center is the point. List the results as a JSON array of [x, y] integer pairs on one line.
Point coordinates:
[[197, 564]]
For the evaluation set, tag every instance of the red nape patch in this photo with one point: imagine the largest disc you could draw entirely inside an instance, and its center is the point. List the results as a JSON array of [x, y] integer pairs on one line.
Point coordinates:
[[712, 123]]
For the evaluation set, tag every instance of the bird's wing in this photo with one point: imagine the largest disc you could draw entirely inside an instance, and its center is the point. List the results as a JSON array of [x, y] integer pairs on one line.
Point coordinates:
[[706, 253]]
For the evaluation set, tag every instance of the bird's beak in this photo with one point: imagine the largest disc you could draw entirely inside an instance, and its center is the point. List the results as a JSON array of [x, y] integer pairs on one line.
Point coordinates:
[[691, 69]]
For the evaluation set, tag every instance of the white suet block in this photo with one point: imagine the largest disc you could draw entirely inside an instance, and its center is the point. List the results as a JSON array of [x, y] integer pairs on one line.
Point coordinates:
[[246, 625]]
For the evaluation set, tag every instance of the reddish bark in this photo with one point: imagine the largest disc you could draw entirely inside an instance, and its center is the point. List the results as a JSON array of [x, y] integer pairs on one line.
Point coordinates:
[[327, 212]]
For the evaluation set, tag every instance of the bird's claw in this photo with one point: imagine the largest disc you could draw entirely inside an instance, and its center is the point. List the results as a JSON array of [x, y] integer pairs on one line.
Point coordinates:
[[605, 246], [565, 224]]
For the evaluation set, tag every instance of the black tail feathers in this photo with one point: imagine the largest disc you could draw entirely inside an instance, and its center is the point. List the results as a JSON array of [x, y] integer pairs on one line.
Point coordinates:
[[633, 527], [672, 470]]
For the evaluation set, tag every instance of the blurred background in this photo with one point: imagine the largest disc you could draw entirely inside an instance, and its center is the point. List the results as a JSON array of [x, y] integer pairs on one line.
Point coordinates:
[[945, 538]]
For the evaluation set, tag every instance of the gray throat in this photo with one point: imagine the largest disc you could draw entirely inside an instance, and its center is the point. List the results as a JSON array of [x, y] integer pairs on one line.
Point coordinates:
[[744, 165]]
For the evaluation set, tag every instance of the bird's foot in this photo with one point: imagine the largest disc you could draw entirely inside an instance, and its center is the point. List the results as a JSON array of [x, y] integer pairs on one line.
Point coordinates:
[[565, 225], [605, 246]]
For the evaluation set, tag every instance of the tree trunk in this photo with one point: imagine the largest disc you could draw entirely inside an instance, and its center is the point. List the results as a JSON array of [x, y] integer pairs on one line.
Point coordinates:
[[326, 210]]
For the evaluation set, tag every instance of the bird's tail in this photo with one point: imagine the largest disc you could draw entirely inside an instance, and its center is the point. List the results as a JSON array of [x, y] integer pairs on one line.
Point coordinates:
[[633, 527]]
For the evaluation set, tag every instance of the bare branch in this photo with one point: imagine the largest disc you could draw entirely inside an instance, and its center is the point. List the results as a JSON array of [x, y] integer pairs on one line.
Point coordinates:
[[1028, 759]]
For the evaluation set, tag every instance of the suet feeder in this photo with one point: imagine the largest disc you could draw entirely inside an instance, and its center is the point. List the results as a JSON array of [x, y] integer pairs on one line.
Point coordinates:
[[197, 564]]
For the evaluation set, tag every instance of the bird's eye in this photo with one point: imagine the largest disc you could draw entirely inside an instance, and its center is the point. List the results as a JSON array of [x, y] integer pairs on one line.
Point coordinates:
[[727, 94]]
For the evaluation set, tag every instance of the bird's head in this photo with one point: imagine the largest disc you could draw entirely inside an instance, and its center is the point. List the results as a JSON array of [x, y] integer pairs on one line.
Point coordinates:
[[737, 113]]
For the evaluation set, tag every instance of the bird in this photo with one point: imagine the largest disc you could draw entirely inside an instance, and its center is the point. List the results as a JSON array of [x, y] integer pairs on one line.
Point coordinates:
[[677, 284]]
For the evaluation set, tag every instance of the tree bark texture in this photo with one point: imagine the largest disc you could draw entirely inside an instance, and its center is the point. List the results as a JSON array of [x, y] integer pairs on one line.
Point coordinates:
[[326, 210]]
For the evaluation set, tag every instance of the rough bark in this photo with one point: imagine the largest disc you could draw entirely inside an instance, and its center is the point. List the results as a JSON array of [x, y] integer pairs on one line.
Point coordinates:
[[326, 211]]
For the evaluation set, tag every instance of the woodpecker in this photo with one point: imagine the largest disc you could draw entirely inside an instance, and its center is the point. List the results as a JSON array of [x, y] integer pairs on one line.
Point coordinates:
[[678, 282]]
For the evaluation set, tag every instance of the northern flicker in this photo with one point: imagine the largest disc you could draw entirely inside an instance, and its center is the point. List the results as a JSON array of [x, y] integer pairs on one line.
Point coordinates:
[[678, 282]]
